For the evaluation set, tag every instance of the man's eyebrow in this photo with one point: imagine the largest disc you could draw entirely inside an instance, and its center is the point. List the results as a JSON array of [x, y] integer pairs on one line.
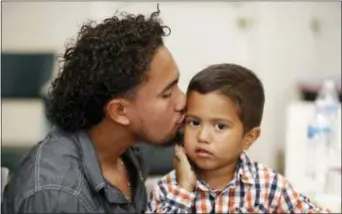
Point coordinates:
[[170, 85]]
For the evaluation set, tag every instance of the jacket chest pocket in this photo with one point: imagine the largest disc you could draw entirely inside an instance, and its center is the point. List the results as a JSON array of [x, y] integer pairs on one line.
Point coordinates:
[[118, 208]]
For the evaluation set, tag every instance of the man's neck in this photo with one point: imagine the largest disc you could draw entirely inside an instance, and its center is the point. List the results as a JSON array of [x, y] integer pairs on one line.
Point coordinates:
[[218, 179], [110, 143]]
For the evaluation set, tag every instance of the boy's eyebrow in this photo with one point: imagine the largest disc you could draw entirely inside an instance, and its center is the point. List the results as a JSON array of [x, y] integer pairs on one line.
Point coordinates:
[[212, 119], [191, 115], [222, 119]]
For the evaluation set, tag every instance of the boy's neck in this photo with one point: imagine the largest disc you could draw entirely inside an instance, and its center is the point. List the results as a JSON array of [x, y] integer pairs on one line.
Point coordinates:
[[218, 178]]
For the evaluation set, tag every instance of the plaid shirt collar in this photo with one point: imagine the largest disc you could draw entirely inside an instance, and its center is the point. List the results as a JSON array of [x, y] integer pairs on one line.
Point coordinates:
[[244, 172]]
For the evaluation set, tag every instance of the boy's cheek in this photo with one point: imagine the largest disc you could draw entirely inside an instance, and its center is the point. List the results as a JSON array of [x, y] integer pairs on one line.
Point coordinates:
[[187, 145], [188, 138], [189, 141]]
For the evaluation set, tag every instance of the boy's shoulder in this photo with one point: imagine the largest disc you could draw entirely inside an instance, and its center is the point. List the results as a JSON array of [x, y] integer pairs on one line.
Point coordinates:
[[251, 171], [169, 178], [165, 184], [262, 174]]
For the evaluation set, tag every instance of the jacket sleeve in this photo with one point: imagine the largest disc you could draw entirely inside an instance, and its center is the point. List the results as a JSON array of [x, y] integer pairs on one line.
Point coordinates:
[[52, 201]]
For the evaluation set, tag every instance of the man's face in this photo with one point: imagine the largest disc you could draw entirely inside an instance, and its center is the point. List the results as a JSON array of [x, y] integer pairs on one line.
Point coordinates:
[[213, 134], [156, 113]]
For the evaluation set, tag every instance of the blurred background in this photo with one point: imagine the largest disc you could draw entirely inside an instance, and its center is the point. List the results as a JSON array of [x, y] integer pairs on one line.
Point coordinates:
[[292, 46]]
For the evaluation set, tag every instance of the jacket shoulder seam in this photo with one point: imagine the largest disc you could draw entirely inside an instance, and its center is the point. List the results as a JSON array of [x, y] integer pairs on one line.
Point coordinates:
[[58, 188]]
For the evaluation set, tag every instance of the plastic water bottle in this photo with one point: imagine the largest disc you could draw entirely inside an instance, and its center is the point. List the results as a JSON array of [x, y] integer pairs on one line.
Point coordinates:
[[322, 137], [319, 132], [328, 103]]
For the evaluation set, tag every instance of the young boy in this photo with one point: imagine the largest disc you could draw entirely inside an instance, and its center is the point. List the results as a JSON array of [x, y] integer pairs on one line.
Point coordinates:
[[223, 115]]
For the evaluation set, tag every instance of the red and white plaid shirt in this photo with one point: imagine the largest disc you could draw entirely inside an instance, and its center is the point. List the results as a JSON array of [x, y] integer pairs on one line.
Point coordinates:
[[255, 189]]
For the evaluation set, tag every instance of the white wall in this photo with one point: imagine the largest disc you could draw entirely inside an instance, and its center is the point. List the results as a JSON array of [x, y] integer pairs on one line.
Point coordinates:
[[278, 44], [289, 50]]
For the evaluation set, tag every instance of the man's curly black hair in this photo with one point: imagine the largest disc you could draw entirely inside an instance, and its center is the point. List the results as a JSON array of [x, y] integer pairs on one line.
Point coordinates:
[[107, 60]]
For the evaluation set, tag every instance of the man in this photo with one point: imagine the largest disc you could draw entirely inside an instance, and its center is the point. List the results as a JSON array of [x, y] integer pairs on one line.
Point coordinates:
[[117, 87]]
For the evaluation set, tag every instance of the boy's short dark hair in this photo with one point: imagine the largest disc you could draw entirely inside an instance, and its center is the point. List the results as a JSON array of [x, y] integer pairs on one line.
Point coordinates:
[[238, 83]]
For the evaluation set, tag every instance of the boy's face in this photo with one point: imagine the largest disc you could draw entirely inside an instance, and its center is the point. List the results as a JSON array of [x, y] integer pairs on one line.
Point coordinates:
[[213, 132]]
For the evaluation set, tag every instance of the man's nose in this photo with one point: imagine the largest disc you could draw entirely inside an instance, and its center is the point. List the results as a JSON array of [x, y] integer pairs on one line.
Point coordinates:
[[181, 101]]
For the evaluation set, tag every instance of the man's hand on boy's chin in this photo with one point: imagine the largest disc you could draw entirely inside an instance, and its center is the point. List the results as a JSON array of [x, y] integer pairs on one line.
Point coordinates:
[[186, 176]]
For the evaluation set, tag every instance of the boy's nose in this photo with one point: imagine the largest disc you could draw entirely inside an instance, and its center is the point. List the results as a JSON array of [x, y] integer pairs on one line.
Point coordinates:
[[204, 135]]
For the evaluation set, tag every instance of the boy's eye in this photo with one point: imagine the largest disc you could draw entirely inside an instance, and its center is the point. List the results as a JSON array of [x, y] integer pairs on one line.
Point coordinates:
[[220, 126], [193, 123]]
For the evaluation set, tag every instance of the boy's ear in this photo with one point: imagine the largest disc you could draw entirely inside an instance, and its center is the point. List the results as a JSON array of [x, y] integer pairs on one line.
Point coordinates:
[[250, 137]]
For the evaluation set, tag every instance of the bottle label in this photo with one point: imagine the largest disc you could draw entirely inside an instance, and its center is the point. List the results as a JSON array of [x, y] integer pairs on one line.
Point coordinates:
[[315, 130]]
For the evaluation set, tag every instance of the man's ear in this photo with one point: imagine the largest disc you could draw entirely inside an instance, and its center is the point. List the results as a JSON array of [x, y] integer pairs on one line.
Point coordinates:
[[116, 109], [250, 137]]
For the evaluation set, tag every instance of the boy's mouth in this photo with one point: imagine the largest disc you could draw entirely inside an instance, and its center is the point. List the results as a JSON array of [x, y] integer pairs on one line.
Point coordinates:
[[203, 153]]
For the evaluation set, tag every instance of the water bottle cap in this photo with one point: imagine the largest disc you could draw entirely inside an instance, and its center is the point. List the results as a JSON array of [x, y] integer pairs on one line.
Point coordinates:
[[330, 84]]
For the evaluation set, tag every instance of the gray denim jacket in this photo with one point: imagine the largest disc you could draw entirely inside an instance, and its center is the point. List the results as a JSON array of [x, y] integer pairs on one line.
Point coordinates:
[[62, 174]]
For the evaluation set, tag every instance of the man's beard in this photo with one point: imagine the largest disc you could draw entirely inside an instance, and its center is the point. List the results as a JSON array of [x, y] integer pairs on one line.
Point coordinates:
[[169, 141], [176, 139]]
